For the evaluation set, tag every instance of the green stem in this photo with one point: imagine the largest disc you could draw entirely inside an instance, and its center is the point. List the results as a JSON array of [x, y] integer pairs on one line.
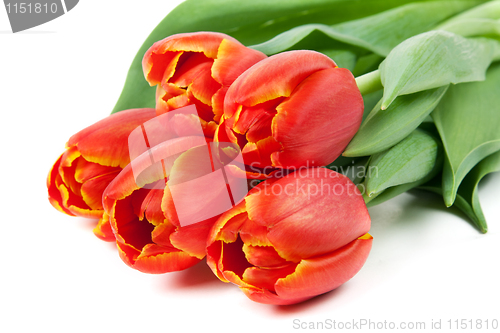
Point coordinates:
[[369, 82]]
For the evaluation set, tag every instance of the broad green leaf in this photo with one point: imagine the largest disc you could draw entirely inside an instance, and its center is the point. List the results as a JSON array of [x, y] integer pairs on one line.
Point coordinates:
[[378, 33], [434, 59], [474, 27], [487, 10], [468, 188], [482, 20], [353, 168], [467, 199], [251, 22], [391, 192], [409, 161], [309, 36], [367, 63], [383, 129], [341, 161], [370, 100], [461, 203], [468, 122], [343, 58]]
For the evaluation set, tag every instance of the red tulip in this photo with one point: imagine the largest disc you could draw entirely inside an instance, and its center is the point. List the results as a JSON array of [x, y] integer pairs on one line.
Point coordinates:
[[292, 109], [93, 157], [292, 238], [162, 205], [196, 68]]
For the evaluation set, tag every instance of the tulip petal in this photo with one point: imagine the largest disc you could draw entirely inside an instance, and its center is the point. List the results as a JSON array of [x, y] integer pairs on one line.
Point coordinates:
[[259, 154], [204, 87], [266, 278], [87, 170], [93, 189], [229, 233], [234, 278], [273, 77], [171, 99], [127, 253], [247, 116], [128, 228], [254, 234], [335, 115], [168, 208], [55, 197], [163, 262], [87, 213], [136, 233], [262, 256], [218, 103], [214, 253], [233, 59], [178, 102], [161, 234], [115, 152], [194, 65], [285, 208], [103, 229], [261, 130], [153, 212], [160, 55], [267, 297], [67, 170], [198, 191], [192, 239], [206, 42], [321, 274], [160, 67], [124, 184], [220, 234], [233, 259]]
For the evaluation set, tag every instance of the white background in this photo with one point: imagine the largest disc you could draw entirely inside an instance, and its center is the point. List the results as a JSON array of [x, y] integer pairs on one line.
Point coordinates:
[[427, 262]]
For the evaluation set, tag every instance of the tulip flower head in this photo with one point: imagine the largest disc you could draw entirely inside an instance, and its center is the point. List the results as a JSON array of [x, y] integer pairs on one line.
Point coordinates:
[[292, 109], [196, 68], [163, 204], [93, 158], [292, 238]]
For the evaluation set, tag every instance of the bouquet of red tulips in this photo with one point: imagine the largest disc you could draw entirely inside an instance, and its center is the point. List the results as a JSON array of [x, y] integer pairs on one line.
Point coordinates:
[[259, 141]]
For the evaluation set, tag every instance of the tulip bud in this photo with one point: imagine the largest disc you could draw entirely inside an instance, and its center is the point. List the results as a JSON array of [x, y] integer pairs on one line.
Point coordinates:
[[162, 205], [292, 238], [292, 109], [93, 158], [196, 68]]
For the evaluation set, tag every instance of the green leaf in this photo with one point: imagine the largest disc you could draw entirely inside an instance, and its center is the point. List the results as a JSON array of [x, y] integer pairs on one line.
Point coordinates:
[[370, 101], [474, 27], [468, 188], [343, 58], [468, 122], [467, 199], [378, 33], [394, 191], [482, 20], [251, 22], [383, 129], [461, 203], [353, 168], [409, 161], [434, 59], [488, 10], [367, 63]]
